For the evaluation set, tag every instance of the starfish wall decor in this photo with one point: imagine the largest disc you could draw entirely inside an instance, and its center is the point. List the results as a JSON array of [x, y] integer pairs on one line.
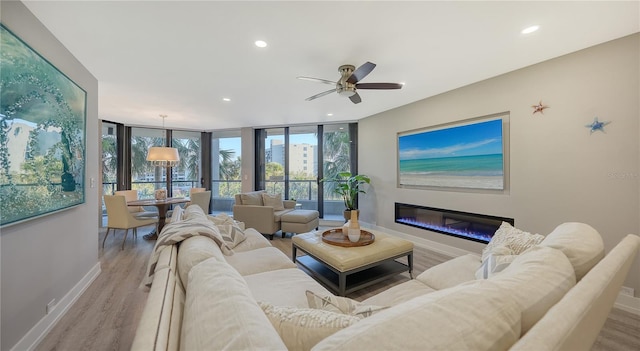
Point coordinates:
[[539, 108], [596, 125]]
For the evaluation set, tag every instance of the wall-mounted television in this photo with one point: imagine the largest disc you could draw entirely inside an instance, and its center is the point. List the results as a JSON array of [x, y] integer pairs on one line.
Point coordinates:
[[471, 154]]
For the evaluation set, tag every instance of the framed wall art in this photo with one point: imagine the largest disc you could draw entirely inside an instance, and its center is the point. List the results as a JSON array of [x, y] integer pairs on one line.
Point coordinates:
[[42, 135], [463, 155]]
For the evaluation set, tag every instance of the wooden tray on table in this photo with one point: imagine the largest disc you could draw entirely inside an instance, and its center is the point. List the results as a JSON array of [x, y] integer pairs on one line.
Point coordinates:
[[336, 237]]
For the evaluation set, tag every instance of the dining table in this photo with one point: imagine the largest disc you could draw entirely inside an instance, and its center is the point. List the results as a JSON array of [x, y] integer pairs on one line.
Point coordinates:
[[163, 206]]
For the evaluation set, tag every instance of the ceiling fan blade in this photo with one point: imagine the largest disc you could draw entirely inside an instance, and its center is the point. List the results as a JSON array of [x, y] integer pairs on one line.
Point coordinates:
[[320, 95], [361, 72], [379, 86], [355, 98], [317, 80]]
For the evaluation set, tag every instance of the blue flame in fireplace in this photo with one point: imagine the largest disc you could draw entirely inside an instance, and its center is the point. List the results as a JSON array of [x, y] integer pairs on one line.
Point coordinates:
[[465, 233], [470, 226]]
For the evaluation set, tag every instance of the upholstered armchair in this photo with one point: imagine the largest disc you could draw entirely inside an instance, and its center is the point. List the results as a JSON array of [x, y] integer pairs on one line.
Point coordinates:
[[261, 211]]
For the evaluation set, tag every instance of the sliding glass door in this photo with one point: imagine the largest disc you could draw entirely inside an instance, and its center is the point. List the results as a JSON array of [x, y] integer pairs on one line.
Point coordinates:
[[188, 173], [290, 161], [145, 178], [225, 170], [302, 173], [336, 157]]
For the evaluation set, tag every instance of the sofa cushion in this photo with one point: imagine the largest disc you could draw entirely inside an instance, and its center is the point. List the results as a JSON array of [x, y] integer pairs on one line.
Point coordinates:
[[342, 305], [514, 239], [254, 240], [494, 264], [451, 273], [259, 260], [302, 328], [221, 314], [194, 250], [252, 198], [283, 287], [399, 293], [273, 200], [580, 243], [474, 316], [537, 280]]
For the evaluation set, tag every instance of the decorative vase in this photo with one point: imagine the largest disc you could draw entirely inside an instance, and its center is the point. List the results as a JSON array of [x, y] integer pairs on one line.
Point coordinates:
[[354, 227], [354, 235], [345, 228]]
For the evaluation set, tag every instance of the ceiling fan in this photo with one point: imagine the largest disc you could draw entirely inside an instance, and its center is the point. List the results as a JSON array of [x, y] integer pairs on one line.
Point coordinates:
[[348, 83]]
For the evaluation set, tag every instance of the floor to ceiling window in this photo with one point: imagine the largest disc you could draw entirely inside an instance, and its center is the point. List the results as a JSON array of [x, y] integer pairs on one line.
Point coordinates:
[[225, 169], [187, 174], [109, 158], [290, 162], [145, 178], [274, 165], [336, 158], [303, 166]]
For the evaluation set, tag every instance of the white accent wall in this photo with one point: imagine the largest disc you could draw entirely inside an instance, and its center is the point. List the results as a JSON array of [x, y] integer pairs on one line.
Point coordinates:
[[559, 171], [55, 256]]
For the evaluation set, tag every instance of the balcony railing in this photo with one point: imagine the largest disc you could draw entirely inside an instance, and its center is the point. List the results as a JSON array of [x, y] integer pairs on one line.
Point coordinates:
[[305, 192]]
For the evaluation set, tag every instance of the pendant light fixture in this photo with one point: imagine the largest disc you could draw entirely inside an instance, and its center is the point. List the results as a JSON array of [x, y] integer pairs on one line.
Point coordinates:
[[163, 156]]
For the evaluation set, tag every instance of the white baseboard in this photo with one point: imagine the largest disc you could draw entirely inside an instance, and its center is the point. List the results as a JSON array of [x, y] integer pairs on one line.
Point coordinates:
[[42, 328], [628, 303], [624, 302]]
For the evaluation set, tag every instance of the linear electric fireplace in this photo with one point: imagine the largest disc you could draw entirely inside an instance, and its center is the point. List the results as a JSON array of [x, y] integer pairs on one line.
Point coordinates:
[[470, 226]]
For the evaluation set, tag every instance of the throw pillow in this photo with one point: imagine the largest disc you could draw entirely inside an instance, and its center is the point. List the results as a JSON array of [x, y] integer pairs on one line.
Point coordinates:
[[252, 198], [303, 328], [514, 239], [342, 305], [177, 214], [273, 200], [231, 234], [494, 264]]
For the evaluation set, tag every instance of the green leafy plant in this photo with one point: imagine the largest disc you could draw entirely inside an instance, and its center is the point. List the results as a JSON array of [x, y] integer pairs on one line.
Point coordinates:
[[348, 186]]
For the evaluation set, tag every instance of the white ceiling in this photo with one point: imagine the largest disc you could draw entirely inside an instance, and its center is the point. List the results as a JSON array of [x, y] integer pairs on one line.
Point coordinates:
[[181, 58]]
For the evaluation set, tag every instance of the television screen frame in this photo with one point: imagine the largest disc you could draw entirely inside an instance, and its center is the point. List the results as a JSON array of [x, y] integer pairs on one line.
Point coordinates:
[[470, 155]]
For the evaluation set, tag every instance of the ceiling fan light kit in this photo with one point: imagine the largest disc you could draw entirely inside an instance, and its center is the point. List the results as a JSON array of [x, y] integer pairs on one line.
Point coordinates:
[[348, 84]]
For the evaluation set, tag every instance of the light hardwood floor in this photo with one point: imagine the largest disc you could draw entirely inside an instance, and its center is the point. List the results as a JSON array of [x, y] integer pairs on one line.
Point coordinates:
[[106, 315]]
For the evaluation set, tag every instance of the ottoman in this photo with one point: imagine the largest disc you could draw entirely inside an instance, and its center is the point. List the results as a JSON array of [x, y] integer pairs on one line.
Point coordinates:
[[299, 221], [347, 269]]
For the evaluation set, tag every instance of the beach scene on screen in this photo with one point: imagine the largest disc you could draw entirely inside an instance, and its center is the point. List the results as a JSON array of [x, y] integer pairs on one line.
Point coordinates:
[[466, 156]]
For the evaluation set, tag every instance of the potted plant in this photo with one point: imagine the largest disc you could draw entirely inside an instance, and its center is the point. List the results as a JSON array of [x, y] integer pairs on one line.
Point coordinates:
[[348, 186]]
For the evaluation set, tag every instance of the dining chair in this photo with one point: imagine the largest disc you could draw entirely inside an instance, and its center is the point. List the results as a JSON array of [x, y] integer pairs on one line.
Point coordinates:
[[202, 199], [137, 211], [119, 217]]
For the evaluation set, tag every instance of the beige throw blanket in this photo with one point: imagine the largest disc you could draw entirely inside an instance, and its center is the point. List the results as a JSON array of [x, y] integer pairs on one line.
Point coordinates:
[[175, 232]]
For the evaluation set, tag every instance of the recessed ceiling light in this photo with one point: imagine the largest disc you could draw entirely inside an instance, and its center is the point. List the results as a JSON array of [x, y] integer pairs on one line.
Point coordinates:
[[329, 114], [261, 43], [226, 99], [529, 30], [401, 83]]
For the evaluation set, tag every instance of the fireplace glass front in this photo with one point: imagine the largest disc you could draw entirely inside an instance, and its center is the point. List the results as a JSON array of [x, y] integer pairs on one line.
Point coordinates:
[[470, 226]]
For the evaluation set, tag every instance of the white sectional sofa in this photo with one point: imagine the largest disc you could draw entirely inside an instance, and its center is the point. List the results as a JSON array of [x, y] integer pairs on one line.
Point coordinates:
[[201, 299]]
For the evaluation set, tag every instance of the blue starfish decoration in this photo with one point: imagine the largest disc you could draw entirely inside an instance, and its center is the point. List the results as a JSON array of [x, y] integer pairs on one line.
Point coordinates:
[[596, 125]]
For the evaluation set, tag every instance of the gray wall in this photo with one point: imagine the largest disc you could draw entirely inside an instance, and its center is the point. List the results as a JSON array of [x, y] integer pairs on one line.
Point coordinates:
[[559, 172], [45, 258]]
